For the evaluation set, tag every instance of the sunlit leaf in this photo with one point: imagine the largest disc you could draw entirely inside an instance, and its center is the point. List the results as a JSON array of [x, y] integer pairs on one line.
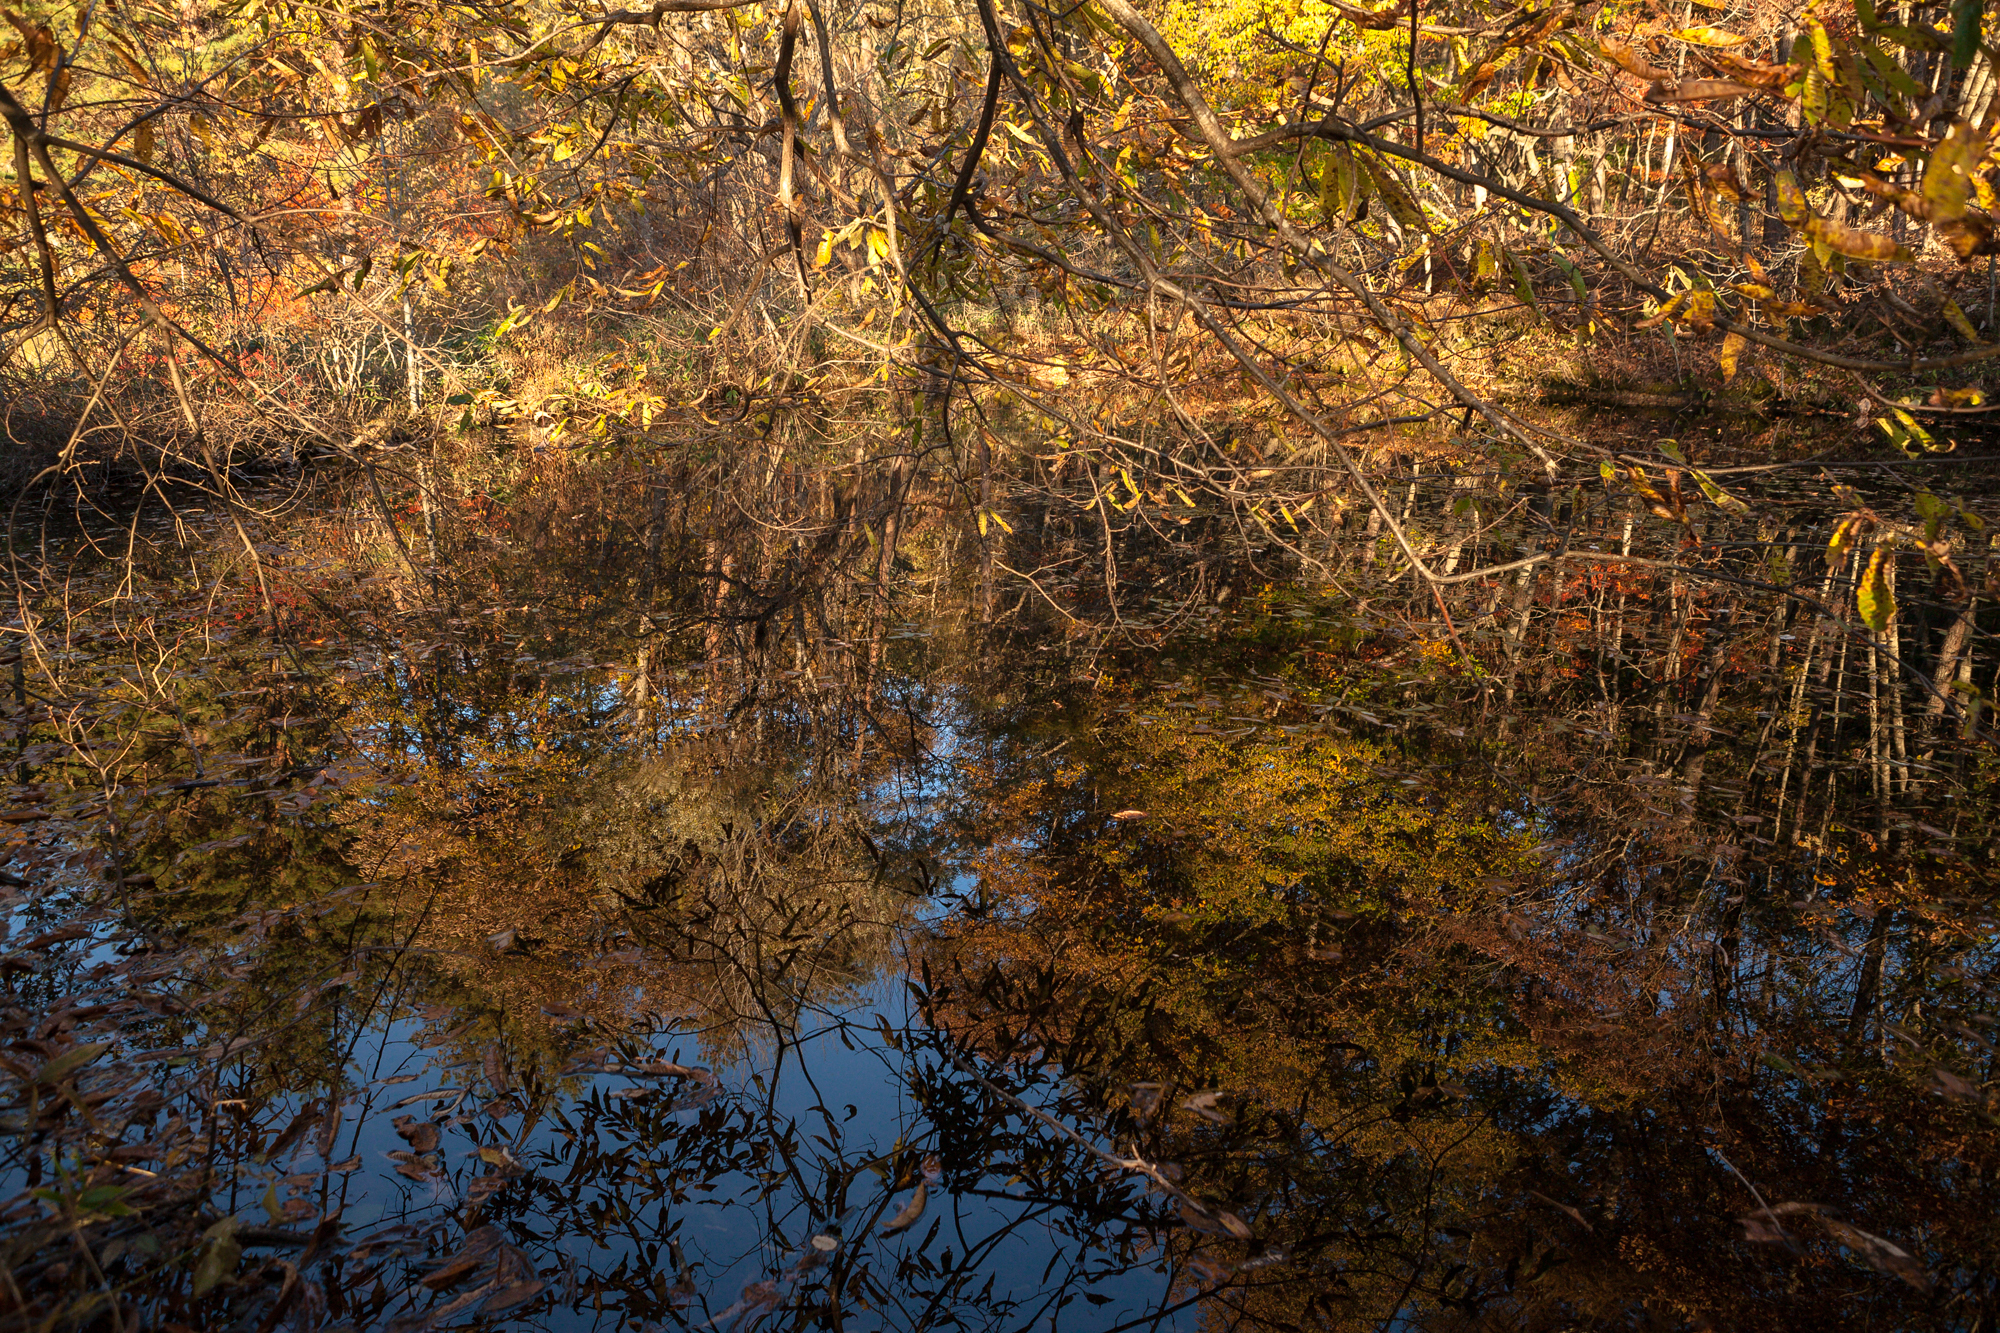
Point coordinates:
[[1729, 355], [1873, 597], [1875, 247], [1792, 200], [1948, 179], [1704, 36]]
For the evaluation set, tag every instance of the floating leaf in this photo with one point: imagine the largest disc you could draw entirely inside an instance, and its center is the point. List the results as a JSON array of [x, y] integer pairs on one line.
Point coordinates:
[[513, 1294], [71, 1060], [219, 1257], [421, 1135], [910, 1212], [1879, 1254]]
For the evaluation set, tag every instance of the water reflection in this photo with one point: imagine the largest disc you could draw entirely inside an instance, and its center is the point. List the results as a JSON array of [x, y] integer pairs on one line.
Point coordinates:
[[749, 955]]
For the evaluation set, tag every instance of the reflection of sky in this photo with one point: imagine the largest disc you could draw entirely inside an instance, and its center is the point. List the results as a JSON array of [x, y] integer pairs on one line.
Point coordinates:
[[838, 1093]]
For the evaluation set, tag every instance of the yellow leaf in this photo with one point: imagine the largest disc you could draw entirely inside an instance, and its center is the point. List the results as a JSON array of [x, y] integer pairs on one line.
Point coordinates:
[[1873, 246], [1792, 200], [1732, 350], [1664, 313], [1956, 318], [1948, 178], [1705, 36], [1873, 598]]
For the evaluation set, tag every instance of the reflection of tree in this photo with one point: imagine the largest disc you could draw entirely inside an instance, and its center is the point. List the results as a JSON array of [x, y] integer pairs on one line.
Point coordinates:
[[1462, 1075]]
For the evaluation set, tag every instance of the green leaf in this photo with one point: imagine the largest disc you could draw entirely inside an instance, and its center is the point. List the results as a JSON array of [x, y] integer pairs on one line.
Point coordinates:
[[1892, 73], [1575, 276], [1718, 497], [60, 1068], [219, 1259], [1522, 287], [1966, 15]]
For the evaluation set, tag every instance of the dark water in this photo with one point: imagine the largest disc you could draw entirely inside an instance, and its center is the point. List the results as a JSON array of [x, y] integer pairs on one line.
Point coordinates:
[[537, 950]]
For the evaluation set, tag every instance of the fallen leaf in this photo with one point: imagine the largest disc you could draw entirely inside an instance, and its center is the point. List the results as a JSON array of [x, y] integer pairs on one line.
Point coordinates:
[[911, 1211]]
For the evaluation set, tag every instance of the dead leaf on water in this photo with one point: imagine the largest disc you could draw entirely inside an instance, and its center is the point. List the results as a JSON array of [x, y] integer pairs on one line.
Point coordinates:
[[453, 1273], [513, 1294], [1880, 1254], [911, 1211], [421, 1135]]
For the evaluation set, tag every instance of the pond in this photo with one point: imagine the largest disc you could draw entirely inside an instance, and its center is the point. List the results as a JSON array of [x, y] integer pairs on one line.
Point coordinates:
[[598, 927]]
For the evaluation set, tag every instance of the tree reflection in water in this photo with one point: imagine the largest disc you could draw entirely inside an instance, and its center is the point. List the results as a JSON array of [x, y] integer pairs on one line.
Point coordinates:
[[756, 953]]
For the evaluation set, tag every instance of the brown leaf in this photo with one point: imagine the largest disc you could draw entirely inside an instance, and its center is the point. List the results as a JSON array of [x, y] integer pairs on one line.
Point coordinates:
[[910, 1212], [1951, 1085], [454, 1272], [1970, 236], [1879, 1254], [421, 1135], [1756, 73], [1577, 1216], [1629, 60], [513, 1294], [1722, 177], [1695, 90]]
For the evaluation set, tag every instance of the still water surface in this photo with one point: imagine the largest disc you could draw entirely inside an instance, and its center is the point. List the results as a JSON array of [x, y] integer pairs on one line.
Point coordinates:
[[1269, 965]]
